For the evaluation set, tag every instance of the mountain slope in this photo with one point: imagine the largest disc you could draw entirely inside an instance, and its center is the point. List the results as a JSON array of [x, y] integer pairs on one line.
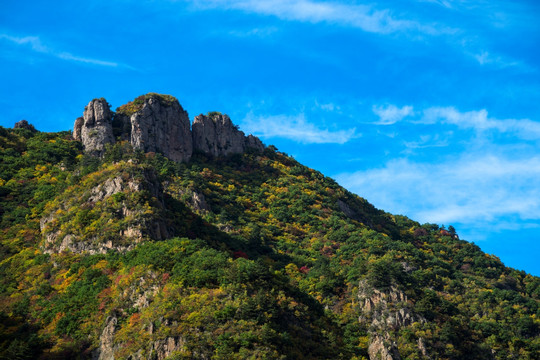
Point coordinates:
[[241, 255]]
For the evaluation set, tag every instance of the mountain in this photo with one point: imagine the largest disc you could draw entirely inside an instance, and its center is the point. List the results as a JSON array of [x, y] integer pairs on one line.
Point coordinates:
[[142, 236]]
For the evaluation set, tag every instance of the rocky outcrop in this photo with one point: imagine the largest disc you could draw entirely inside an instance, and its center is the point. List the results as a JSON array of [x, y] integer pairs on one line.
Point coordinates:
[[215, 135], [158, 123], [136, 293], [253, 142], [198, 202], [386, 312], [95, 129], [138, 290], [162, 349], [106, 340], [114, 214], [23, 124], [77, 128]]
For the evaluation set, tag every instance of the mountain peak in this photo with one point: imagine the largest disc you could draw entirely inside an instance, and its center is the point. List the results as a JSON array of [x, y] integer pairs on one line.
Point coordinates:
[[158, 123]]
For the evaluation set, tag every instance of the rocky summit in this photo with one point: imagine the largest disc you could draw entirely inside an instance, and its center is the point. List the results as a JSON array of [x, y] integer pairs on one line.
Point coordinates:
[[158, 123]]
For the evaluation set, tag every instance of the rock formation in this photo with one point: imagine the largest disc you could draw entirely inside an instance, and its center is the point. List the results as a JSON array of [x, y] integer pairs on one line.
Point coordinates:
[[106, 341], [115, 198], [23, 124], [253, 142], [216, 135], [77, 128], [386, 312], [158, 123], [95, 128]]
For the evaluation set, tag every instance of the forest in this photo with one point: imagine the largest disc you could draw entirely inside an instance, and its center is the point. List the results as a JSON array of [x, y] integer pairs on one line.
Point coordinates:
[[249, 256]]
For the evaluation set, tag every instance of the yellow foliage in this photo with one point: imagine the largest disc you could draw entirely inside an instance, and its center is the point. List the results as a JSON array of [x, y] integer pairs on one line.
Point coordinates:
[[291, 269], [102, 264], [40, 169], [363, 342]]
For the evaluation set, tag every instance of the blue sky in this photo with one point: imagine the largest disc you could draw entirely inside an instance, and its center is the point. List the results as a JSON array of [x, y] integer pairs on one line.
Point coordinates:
[[427, 108]]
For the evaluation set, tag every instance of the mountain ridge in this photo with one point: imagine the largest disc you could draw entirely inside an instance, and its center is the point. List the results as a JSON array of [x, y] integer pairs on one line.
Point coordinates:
[[114, 250]]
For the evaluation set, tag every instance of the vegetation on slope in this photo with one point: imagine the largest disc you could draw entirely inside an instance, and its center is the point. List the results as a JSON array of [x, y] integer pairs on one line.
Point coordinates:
[[273, 266], [133, 106]]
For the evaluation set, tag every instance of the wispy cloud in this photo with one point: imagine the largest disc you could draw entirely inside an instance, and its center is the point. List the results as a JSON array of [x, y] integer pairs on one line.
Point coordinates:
[[373, 18], [390, 114], [364, 17], [255, 32], [444, 3], [480, 121], [35, 44], [471, 189], [481, 186], [477, 120], [295, 128], [427, 141], [486, 58]]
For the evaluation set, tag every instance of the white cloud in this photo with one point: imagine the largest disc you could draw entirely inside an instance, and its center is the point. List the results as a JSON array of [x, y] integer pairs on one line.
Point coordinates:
[[294, 128], [363, 17], [477, 120], [390, 114], [427, 141], [474, 189], [444, 3], [487, 58], [327, 106], [256, 32], [480, 121], [35, 44]]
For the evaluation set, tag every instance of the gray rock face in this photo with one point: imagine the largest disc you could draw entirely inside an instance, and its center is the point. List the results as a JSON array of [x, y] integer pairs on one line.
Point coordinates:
[[386, 312], [158, 123], [96, 129], [77, 128], [162, 127], [198, 202], [106, 341], [23, 124], [253, 142], [163, 348], [215, 135]]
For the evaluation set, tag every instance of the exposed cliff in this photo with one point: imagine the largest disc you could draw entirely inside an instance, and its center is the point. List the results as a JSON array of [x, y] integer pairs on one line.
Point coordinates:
[[158, 123], [94, 129], [216, 135], [387, 312]]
